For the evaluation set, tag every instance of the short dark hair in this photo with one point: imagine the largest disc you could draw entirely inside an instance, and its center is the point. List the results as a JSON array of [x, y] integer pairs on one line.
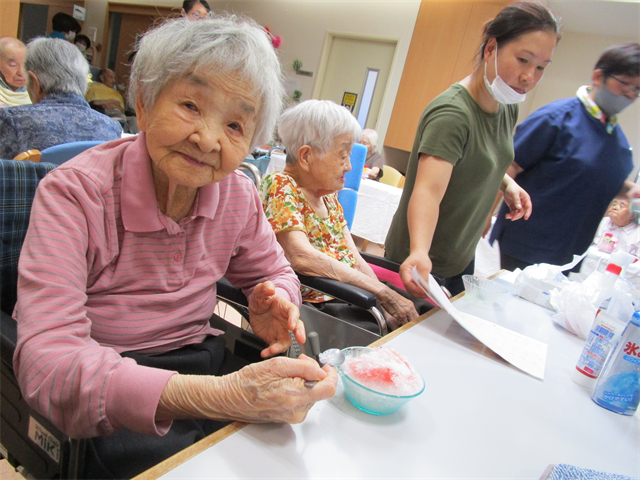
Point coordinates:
[[621, 59], [84, 39], [517, 19], [63, 22], [187, 5]]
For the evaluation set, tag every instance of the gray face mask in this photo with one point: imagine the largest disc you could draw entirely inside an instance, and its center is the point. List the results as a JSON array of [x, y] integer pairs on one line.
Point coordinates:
[[610, 103]]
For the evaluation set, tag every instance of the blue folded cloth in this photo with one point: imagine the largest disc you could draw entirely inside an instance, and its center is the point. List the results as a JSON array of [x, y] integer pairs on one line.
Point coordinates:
[[569, 472]]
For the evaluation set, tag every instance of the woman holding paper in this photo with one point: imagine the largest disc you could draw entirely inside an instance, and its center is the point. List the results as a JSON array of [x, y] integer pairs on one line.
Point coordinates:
[[463, 148]]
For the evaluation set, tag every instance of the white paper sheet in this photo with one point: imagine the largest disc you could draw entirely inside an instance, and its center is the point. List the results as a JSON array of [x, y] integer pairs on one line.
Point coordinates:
[[525, 353]]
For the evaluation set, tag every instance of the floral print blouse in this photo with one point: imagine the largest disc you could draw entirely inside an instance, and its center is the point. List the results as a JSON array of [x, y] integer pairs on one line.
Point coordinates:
[[287, 209]]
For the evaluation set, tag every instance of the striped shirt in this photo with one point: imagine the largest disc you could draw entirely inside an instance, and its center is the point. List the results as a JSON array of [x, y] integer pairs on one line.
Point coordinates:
[[103, 271]]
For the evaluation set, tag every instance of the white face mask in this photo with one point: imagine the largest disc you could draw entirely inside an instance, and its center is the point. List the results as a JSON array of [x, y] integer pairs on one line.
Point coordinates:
[[81, 46], [500, 90], [70, 36]]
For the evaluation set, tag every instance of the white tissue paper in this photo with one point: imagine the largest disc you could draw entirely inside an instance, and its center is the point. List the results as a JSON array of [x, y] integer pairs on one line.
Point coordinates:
[[536, 282]]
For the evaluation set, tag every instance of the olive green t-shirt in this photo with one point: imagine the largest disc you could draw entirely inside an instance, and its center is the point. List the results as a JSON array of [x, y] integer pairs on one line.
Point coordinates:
[[480, 147]]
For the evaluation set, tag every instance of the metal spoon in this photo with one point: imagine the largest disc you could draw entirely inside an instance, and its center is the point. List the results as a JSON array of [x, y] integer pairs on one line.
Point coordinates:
[[332, 356]]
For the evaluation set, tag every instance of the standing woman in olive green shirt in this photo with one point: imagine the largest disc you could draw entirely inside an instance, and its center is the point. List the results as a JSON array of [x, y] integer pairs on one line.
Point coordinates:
[[463, 148]]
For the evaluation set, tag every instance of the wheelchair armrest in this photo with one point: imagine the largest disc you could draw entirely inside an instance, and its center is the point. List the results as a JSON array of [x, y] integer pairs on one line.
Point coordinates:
[[381, 262], [230, 292], [342, 291], [9, 337]]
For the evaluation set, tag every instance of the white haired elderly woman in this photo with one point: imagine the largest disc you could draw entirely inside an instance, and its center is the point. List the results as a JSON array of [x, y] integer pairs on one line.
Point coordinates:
[[57, 81], [374, 162], [303, 210], [117, 278]]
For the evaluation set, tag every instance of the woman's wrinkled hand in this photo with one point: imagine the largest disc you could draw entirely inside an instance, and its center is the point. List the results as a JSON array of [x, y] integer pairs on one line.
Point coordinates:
[[272, 318], [422, 261], [400, 309], [274, 390], [268, 391]]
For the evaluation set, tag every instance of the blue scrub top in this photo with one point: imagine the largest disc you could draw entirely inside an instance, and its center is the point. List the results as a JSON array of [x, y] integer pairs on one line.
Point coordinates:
[[55, 34], [573, 169]]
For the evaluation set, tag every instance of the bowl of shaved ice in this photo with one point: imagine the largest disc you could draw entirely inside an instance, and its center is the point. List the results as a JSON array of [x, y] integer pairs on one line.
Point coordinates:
[[379, 380]]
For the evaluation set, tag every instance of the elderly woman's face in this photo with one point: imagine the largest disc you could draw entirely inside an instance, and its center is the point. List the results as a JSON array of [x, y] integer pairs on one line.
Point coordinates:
[[329, 170], [200, 128], [619, 212]]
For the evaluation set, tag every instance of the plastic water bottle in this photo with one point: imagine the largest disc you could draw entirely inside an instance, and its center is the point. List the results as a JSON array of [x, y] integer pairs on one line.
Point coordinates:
[[618, 388], [604, 332]]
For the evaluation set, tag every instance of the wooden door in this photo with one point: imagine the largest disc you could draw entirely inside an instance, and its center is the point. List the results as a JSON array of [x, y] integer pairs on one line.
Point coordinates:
[[445, 39], [132, 22]]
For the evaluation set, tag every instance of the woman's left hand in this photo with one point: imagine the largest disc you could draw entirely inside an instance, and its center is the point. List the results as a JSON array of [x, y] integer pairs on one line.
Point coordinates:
[[517, 199], [272, 318], [400, 309]]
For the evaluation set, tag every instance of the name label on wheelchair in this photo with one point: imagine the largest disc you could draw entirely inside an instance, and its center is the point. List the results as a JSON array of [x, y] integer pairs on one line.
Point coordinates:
[[43, 438]]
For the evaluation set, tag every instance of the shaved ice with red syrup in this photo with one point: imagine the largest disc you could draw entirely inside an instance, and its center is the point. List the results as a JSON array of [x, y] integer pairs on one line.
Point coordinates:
[[384, 370]]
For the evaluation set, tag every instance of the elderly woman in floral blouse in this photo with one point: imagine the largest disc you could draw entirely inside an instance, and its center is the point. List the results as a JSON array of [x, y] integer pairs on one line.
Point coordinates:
[[303, 210]]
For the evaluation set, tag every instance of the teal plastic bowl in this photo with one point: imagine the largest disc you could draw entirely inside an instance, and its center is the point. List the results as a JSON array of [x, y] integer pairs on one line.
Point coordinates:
[[368, 400]]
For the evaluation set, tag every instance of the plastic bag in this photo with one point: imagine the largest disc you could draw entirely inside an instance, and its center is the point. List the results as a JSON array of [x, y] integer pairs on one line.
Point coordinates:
[[536, 282], [576, 304]]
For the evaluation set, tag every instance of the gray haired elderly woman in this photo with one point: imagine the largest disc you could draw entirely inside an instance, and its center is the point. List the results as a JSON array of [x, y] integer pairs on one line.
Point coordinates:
[[144, 227], [303, 210], [57, 81]]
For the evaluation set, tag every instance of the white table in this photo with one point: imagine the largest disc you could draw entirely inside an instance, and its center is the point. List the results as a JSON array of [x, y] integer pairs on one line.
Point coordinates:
[[377, 203], [479, 418], [277, 163]]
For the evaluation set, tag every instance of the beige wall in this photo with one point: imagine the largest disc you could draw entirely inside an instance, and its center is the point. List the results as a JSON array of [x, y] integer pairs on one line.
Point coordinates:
[[572, 66]]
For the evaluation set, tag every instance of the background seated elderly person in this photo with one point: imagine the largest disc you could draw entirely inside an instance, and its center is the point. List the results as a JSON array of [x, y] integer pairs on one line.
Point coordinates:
[[103, 94], [13, 78], [303, 210], [56, 84], [113, 336], [618, 231], [374, 161]]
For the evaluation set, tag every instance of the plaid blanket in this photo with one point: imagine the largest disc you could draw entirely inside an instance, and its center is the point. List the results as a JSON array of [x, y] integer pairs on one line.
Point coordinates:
[[18, 183]]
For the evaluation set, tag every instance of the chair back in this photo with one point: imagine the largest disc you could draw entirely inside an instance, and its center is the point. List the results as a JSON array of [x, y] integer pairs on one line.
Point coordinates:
[[392, 177], [354, 176], [18, 183], [348, 196], [348, 200], [58, 154]]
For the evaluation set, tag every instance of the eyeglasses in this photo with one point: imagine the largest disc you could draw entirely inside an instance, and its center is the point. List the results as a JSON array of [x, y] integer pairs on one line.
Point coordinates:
[[196, 16], [628, 86]]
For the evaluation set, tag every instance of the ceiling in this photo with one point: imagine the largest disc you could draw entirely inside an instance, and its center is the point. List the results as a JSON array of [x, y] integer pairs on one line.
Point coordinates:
[[601, 17]]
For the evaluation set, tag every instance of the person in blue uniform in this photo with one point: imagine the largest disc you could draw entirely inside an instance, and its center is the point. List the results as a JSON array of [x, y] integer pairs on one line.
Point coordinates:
[[572, 157]]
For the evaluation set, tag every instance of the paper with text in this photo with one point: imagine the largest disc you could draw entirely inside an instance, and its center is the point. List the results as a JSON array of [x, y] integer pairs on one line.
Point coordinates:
[[525, 353]]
